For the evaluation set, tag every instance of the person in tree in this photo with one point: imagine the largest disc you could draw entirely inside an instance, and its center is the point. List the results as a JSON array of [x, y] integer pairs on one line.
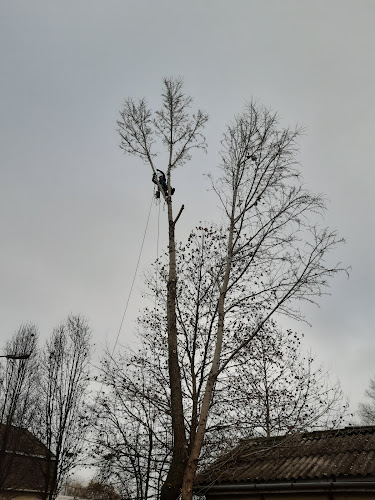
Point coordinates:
[[162, 181]]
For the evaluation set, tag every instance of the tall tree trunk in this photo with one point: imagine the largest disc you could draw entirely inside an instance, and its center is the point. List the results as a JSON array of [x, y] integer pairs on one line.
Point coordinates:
[[172, 485]]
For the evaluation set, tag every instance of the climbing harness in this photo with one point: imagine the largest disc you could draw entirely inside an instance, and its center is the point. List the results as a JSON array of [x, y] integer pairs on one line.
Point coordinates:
[[162, 182]]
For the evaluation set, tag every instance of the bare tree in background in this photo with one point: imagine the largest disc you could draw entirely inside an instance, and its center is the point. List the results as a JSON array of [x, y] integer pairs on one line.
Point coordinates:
[[274, 389], [18, 390], [19, 377], [367, 410], [273, 254], [65, 368], [94, 490], [133, 431]]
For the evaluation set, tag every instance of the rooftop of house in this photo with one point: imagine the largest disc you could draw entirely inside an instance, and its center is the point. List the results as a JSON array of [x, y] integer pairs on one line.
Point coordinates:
[[21, 441], [23, 465], [347, 454]]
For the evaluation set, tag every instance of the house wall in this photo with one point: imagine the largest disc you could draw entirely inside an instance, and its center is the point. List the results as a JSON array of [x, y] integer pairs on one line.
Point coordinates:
[[19, 496], [295, 496]]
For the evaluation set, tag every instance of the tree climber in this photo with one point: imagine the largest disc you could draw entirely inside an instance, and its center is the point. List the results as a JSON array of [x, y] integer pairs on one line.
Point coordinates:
[[162, 181]]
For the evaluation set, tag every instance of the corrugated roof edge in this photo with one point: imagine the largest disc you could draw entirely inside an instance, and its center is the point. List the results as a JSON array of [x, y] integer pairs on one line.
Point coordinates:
[[239, 456]]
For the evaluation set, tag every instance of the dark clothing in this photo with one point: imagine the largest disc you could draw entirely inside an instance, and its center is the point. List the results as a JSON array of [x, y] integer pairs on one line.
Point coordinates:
[[162, 181]]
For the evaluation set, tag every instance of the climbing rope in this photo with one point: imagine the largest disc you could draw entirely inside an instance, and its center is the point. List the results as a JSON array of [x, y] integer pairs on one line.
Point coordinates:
[[157, 259], [98, 395], [135, 274]]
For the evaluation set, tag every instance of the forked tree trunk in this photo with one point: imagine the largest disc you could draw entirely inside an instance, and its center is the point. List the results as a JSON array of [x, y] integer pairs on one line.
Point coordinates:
[[196, 446], [192, 464]]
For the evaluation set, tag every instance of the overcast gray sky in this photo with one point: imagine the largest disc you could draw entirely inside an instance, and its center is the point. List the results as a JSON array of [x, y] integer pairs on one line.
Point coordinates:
[[73, 208]]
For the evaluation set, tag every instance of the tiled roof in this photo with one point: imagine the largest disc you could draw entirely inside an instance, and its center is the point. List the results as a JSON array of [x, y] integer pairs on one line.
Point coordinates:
[[346, 453]]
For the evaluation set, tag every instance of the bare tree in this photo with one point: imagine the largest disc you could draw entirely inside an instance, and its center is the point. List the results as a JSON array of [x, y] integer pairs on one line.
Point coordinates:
[[273, 252], [19, 377], [179, 132], [270, 388], [18, 391], [133, 432], [65, 368], [367, 410], [94, 490], [274, 389]]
